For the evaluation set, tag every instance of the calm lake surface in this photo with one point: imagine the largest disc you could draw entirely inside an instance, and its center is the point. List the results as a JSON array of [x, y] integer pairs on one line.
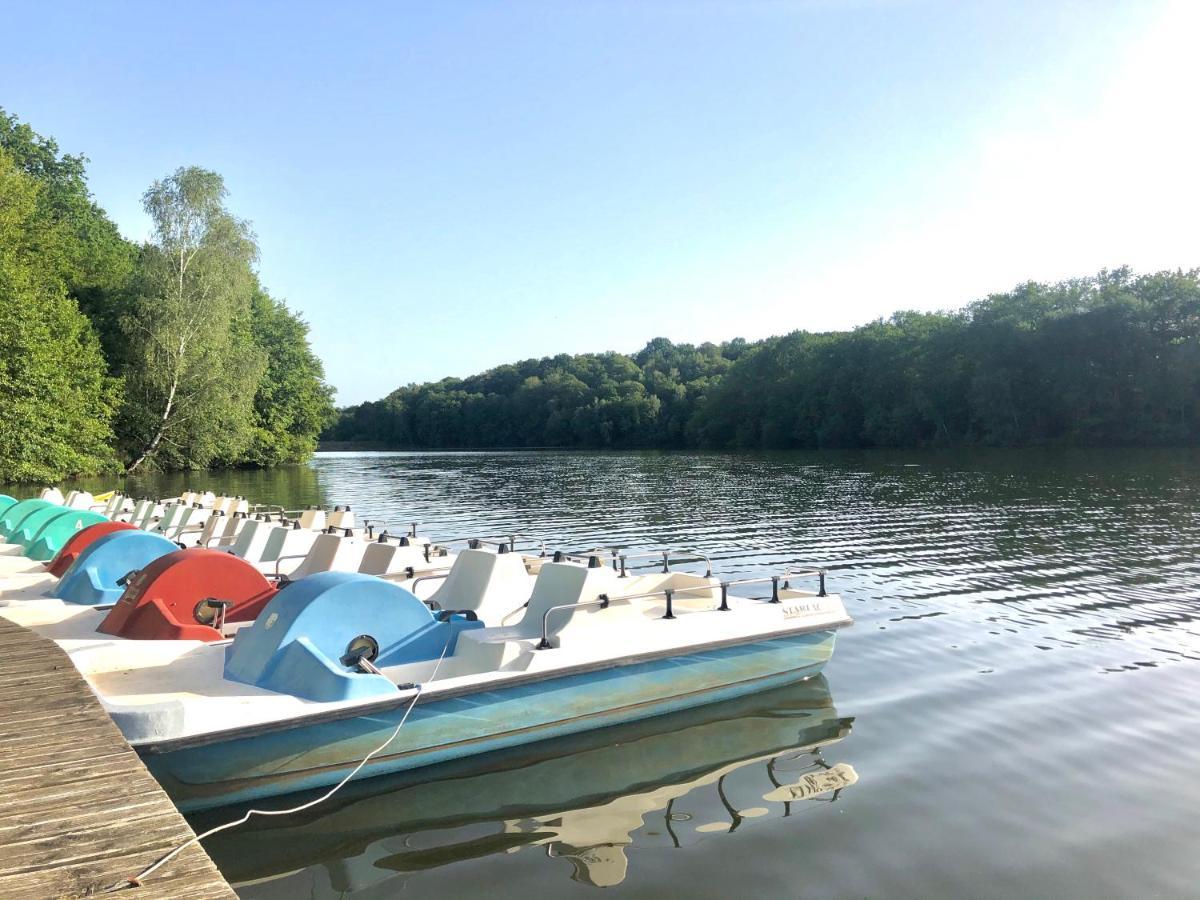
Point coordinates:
[[1015, 712]]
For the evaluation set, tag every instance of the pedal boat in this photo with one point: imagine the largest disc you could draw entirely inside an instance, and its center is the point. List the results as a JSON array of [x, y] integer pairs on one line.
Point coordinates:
[[140, 586], [334, 662]]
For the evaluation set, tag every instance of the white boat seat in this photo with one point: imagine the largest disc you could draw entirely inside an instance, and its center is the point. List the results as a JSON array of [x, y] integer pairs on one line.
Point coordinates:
[[564, 583], [149, 514], [52, 495], [192, 522], [341, 518], [557, 584], [249, 540], [283, 540], [171, 516], [212, 529], [313, 519], [390, 558], [135, 514], [328, 553], [82, 500], [491, 585]]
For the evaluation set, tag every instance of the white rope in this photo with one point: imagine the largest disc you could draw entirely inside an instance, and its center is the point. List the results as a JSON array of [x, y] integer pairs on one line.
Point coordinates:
[[136, 880]]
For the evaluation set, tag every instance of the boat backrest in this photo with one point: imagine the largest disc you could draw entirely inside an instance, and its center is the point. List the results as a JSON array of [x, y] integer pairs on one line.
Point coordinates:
[[313, 519], [192, 520], [559, 584], [52, 495], [214, 527], [330, 553], [171, 516], [141, 511], [284, 540], [491, 585], [230, 526], [389, 557], [114, 504], [70, 498], [342, 518], [251, 539]]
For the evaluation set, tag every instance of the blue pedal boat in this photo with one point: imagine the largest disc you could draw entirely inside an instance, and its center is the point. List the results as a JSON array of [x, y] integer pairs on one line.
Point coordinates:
[[336, 661]]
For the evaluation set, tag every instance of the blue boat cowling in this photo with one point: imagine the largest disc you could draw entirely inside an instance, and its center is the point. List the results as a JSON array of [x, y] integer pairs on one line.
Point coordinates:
[[303, 641], [93, 578]]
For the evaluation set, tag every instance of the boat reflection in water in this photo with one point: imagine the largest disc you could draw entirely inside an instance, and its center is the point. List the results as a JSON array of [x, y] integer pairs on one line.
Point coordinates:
[[585, 799]]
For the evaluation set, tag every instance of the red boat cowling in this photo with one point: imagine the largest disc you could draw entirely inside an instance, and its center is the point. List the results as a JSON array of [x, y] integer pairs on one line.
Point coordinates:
[[168, 600], [78, 542]]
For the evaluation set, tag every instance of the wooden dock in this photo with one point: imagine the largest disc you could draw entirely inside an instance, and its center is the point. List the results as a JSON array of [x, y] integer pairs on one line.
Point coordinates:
[[78, 810]]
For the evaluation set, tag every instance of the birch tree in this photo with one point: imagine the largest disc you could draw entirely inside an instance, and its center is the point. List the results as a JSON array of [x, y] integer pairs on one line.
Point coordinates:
[[193, 366]]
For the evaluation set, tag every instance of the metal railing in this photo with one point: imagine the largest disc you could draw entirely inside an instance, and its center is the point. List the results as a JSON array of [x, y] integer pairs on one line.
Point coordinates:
[[500, 542], [669, 594], [620, 559]]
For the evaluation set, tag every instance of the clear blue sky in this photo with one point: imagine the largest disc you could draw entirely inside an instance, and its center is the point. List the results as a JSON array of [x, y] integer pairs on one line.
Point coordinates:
[[443, 187]]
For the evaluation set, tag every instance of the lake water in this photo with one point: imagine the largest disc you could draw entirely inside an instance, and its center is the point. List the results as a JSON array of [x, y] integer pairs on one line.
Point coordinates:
[[1013, 714]]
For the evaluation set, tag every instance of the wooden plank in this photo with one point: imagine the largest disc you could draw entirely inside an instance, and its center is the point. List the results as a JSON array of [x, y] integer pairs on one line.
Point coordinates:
[[78, 810]]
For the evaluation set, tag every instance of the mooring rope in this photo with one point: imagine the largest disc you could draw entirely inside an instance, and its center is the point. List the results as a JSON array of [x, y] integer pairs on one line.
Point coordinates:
[[133, 881]]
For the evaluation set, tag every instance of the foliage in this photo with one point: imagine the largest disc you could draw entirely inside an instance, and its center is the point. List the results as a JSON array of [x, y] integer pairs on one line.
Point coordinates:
[[1108, 360], [77, 240], [56, 401], [293, 403], [192, 366], [214, 370]]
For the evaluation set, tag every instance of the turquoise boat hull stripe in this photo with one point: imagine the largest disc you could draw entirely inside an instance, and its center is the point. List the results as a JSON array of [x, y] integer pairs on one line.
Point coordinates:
[[311, 756]]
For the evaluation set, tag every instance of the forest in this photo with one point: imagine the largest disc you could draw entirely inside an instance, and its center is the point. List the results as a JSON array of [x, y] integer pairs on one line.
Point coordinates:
[[1108, 360], [116, 355]]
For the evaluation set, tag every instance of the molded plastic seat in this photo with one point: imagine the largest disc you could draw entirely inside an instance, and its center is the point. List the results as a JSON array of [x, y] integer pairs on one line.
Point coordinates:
[[217, 527], [250, 540], [80, 500], [342, 518], [388, 558], [328, 553], [558, 584], [52, 495], [491, 585], [172, 515], [313, 519]]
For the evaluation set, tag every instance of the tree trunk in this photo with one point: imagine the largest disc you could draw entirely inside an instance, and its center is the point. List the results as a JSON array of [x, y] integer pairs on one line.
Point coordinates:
[[162, 426]]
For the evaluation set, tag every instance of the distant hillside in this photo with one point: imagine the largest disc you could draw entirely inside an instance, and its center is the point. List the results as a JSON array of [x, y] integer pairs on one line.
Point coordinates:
[[1108, 360]]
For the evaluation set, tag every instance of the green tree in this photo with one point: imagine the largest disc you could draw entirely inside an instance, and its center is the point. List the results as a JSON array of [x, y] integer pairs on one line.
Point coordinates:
[[293, 404], [192, 368], [56, 402], [75, 238]]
